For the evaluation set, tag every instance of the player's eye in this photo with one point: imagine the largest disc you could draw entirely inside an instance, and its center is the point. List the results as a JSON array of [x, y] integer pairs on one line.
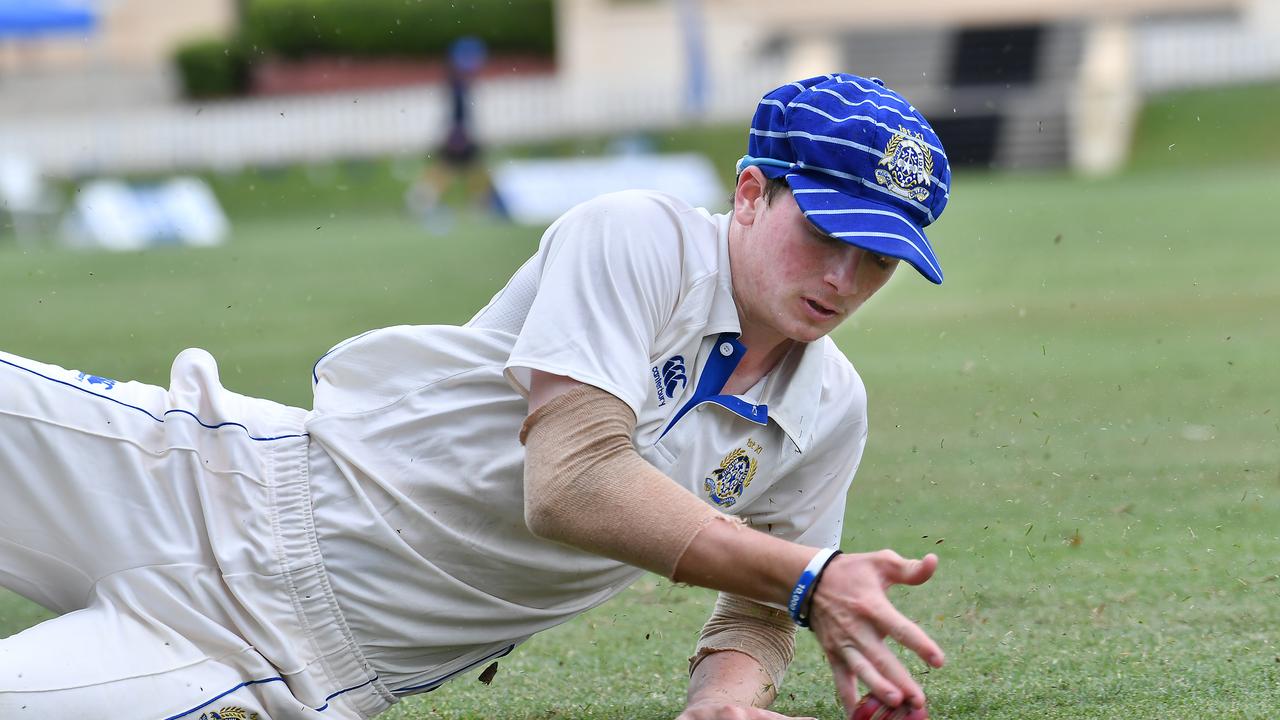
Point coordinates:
[[822, 237], [884, 262]]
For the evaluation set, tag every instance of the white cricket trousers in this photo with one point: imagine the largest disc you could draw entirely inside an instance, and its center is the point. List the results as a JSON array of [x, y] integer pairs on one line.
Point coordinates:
[[172, 531]]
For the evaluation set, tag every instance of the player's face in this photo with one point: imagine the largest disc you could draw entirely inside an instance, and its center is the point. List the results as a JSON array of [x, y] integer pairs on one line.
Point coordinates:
[[794, 281]]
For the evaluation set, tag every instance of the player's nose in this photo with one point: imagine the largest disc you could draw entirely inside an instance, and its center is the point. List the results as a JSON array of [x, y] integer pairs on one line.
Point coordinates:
[[842, 270]]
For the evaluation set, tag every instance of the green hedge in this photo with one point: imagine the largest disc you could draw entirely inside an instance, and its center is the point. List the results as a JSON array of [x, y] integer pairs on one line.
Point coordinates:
[[359, 28], [298, 28], [213, 68]]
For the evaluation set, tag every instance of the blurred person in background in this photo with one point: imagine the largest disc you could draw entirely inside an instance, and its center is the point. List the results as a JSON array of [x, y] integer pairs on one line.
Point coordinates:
[[654, 390], [456, 166]]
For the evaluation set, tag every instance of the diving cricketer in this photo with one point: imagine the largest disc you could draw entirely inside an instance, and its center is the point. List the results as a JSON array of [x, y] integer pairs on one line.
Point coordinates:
[[654, 390]]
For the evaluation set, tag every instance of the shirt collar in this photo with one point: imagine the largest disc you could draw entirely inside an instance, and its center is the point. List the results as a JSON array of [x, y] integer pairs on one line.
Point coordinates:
[[723, 315], [792, 390]]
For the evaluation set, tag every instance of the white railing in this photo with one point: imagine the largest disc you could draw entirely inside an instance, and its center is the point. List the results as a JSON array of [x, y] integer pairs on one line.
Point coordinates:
[[292, 129], [1181, 54]]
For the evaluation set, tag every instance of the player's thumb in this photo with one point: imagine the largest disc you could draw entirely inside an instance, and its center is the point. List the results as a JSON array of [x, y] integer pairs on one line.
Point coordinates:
[[913, 572]]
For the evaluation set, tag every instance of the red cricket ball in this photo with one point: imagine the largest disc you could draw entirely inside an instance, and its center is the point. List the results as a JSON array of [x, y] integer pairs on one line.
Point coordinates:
[[869, 708]]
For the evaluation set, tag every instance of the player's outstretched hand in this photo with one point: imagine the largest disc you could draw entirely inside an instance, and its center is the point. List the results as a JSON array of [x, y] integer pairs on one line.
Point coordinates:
[[851, 614], [718, 710]]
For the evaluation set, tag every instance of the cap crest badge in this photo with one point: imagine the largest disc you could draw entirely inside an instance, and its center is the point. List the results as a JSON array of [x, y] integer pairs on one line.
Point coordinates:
[[909, 163]]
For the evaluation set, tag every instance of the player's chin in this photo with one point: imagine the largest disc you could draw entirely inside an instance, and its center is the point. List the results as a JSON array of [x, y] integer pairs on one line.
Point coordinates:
[[807, 332]]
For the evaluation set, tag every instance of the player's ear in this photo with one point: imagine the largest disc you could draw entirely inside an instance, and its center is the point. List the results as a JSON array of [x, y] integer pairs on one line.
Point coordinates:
[[748, 196]]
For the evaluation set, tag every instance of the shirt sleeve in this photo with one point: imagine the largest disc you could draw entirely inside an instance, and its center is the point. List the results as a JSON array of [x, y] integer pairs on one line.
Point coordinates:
[[609, 281], [807, 505]]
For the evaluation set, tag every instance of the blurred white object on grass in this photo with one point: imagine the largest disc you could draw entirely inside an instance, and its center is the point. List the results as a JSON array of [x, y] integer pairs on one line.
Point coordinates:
[[536, 192], [25, 197], [113, 215]]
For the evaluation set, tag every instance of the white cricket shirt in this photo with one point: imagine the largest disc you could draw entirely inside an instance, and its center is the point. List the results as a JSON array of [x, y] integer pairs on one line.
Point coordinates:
[[420, 514]]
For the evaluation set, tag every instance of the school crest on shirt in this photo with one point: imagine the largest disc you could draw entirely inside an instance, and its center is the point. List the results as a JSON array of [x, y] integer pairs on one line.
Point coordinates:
[[907, 166], [726, 483], [229, 713]]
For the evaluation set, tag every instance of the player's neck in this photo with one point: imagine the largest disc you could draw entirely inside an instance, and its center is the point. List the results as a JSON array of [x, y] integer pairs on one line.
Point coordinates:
[[762, 356]]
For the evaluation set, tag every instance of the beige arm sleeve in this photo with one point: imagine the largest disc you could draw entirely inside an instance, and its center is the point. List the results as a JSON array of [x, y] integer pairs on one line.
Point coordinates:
[[586, 486], [764, 633]]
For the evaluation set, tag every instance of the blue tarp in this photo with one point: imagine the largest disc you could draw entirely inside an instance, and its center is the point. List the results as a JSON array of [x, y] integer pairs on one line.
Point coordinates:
[[30, 18]]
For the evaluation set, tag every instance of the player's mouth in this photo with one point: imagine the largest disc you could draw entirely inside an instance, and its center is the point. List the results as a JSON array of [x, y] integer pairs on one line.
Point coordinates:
[[819, 310]]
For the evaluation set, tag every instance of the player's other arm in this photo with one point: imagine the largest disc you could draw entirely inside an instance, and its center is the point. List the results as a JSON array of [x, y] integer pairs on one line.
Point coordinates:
[[580, 456], [743, 652], [730, 684]]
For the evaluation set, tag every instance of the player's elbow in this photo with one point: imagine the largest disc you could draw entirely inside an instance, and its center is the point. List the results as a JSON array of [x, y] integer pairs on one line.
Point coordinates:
[[553, 491], [540, 516], [573, 446]]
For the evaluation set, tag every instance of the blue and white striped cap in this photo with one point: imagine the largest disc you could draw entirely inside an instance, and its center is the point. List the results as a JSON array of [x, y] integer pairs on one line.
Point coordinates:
[[863, 164]]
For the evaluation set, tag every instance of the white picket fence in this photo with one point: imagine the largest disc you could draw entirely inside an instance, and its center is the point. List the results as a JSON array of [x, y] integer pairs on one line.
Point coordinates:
[[169, 137], [1180, 54], [291, 129]]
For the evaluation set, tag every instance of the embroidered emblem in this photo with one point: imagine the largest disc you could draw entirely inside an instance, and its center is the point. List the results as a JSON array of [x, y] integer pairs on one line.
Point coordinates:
[[726, 483], [107, 383], [909, 163], [229, 713], [670, 380]]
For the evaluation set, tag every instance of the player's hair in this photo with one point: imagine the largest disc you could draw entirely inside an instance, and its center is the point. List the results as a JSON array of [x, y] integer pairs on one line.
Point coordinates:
[[773, 186]]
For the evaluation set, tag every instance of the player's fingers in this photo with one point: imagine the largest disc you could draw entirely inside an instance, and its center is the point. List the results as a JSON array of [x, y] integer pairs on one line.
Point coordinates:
[[894, 624], [903, 571], [897, 683], [846, 688], [856, 664]]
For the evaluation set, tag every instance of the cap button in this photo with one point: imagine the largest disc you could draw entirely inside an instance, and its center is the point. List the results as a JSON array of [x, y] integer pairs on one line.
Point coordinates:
[[877, 81]]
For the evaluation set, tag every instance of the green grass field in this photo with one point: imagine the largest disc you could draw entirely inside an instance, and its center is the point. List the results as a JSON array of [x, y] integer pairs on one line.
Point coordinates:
[[1083, 422]]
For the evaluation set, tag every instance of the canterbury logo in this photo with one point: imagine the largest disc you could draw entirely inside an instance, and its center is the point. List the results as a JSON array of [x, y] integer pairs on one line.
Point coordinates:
[[106, 383], [673, 376]]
